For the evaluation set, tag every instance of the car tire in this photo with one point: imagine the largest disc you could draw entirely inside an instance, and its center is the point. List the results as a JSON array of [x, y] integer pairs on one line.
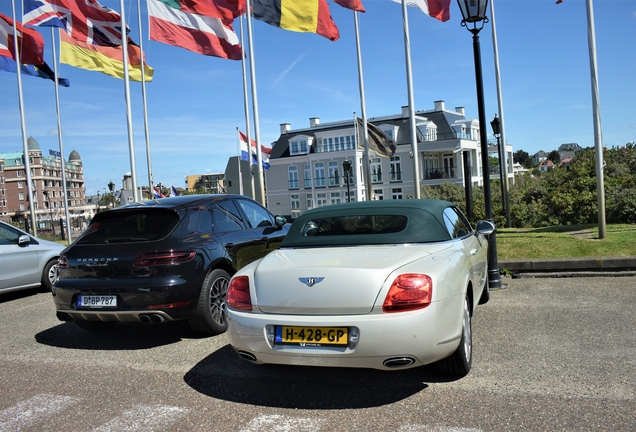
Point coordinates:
[[49, 274], [211, 315], [459, 363], [485, 294], [96, 326]]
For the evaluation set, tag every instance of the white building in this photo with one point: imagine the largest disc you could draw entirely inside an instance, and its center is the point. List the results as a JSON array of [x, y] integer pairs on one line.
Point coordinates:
[[307, 171]]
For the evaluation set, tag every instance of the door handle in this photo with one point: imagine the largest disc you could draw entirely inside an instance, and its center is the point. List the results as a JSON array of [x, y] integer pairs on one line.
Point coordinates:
[[473, 251]]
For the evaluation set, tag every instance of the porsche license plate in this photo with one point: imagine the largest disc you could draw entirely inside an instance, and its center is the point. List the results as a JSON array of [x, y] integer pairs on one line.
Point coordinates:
[[312, 336], [94, 301]]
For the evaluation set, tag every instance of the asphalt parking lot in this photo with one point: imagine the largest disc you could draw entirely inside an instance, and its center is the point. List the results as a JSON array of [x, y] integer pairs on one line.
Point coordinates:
[[549, 354]]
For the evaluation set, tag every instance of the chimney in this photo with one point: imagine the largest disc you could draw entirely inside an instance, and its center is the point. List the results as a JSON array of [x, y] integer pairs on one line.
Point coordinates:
[[405, 111], [439, 105], [314, 121], [284, 128], [460, 111]]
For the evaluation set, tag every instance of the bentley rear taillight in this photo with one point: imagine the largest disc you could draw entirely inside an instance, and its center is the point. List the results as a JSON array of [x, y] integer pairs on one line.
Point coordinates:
[[238, 294], [409, 292], [153, 259]]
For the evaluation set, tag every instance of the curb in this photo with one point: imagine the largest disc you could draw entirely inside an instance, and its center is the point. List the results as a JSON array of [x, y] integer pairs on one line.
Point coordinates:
[[569, 267]]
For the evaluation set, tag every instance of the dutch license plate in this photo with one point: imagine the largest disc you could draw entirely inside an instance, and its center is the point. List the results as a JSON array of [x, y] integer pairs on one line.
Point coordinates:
[[312, 336], [95, 301]]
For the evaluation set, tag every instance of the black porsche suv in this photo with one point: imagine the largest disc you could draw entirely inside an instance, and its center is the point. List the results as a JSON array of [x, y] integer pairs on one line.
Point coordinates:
[[163, 260]]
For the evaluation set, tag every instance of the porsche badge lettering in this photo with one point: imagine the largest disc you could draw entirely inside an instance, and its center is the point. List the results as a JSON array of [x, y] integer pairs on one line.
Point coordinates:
[[310, 281]]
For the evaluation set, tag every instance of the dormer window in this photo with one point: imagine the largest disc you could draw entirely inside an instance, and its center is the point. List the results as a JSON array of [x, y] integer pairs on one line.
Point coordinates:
[[300, 145]]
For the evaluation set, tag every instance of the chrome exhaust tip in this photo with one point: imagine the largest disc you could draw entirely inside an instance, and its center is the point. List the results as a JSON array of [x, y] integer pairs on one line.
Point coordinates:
[[157, 319], [246, 356], [397, 362], [145, 319]]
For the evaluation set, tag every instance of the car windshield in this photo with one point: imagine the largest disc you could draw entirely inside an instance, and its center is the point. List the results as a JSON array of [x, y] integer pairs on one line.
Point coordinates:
[[130, 226], [367, 224]]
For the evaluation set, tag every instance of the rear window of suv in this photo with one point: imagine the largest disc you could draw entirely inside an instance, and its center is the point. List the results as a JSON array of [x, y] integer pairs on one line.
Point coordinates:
[[130, 226]]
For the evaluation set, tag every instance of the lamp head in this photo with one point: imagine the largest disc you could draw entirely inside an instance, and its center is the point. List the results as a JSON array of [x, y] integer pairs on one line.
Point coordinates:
[[473, 11], [496, 130], [346, 165], [111, 186]]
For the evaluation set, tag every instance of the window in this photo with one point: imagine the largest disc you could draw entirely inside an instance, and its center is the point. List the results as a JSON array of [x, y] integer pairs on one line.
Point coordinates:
[[319, 170], [21, 196], [340, 143], [295, 205], [225, 217], [351, 195], [310, 202], [378, 194], [456, 225], [307, 176], [300, 146], [19, 173], [396, 193], [376, 170], [335, 197], [321, 199], [334, 175], [292, 173], [257, 216], [396, 169]]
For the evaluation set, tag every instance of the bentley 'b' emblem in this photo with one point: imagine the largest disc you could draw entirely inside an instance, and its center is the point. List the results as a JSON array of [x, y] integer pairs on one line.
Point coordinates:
[[311, 281]]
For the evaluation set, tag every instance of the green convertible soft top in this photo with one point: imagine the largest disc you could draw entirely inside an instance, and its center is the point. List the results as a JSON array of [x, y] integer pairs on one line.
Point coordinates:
[[370, 223]]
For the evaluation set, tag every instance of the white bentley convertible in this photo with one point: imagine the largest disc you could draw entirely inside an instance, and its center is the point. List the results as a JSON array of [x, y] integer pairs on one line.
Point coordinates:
[[375, 284]]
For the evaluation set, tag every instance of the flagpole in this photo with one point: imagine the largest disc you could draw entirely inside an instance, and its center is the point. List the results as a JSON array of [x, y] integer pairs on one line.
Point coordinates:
[[409, 81], [240, 173], [25, 146], [59, 137], [260, 195], [131, 145], [366, 164], [596, 112], [143, 96], [246, 105], [503, 163]]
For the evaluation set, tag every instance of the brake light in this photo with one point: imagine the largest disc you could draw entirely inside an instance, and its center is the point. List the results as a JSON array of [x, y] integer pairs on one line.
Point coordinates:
[[238, 294], [409, 292], [62, 262], [170, 305], [163, 258]]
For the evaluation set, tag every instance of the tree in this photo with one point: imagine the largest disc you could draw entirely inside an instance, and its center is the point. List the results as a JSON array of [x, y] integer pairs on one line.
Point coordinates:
[[520, 157], [555, 157]]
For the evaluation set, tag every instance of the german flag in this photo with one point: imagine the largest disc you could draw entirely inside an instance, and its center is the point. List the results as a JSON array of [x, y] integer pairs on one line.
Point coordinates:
[[309, 16]]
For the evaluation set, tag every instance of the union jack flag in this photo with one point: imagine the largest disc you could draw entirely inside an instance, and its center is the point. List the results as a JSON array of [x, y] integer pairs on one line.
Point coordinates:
[[84, 20]]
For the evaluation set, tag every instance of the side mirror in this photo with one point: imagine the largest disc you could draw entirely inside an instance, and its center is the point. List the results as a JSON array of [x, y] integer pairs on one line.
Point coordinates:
[[486, 227], [280, 221], [24, 240]]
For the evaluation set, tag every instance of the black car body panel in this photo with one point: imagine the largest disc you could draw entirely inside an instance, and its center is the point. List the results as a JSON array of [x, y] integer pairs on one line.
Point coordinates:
[[154, 256]]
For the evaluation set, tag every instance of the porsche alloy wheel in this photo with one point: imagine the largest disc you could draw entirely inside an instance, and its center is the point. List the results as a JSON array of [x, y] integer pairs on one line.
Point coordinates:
[[210, 315], [459, 363]]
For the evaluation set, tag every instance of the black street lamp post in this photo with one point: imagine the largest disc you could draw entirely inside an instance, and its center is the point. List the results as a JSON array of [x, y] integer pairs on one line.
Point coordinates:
[[346, 166], [474, 12], [111, 188]]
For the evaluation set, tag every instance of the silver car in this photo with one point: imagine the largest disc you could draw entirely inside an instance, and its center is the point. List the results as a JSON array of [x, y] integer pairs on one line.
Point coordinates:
[[375, 284], [26, 262]]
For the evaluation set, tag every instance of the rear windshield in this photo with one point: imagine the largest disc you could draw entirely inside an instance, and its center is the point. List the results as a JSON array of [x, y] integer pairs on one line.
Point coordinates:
[[407, 225], [130, 226]]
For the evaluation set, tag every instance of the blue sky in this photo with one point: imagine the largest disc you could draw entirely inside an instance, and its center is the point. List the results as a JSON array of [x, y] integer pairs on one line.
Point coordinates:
[[195, 102]]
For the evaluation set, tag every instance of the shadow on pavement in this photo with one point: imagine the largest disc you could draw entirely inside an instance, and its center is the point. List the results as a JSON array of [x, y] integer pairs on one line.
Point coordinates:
[[223, 375], [125, 336]]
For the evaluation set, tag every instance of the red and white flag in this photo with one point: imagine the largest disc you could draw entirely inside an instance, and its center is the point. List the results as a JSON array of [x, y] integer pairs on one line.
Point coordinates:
[[355, 5], [439, 9], [198, 33]]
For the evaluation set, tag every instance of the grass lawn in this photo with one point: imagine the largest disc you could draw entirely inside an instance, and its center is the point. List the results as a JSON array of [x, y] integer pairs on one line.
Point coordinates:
[[566, 242]]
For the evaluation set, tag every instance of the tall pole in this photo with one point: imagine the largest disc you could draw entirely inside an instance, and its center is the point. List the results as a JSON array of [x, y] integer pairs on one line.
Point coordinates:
[[260, 184], [596, 110], [131, 142], [503, 156], [59, 137], [25, 145], [409, 82], [143, 97], [494, 278], [366, 161]]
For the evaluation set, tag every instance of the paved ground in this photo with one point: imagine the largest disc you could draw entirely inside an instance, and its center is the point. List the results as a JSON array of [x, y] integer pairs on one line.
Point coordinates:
[[550, 354]]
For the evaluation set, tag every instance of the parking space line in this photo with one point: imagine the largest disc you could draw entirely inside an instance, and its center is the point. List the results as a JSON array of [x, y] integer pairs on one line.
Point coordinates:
[[30, 412]]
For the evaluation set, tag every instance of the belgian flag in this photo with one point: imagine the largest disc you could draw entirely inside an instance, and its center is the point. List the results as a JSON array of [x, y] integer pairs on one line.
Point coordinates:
[[310, 16]]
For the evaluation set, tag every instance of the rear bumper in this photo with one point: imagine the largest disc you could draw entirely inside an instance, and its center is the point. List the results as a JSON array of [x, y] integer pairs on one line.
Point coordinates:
[[145, 317]]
